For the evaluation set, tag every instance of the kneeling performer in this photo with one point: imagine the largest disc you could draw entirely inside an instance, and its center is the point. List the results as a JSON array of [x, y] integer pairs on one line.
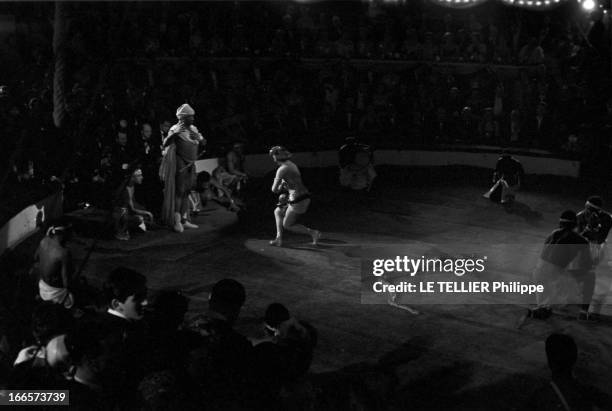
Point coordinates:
[[288, 178], [507, 179]]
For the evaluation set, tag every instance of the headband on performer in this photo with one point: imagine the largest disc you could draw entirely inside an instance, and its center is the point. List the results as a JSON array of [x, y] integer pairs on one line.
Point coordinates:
[[273, 330], [568, 217], [280, 153], [593, 206], [59, 229]]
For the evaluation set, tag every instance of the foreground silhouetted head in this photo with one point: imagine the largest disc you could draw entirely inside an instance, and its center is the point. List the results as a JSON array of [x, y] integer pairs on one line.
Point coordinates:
[[226, 298]]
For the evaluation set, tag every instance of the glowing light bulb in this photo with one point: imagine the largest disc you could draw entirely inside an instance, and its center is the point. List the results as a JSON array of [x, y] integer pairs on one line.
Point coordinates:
[[588, 5]]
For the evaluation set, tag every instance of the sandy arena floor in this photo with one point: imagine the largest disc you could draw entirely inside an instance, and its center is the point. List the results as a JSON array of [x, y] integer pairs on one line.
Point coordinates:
[[448, 356]]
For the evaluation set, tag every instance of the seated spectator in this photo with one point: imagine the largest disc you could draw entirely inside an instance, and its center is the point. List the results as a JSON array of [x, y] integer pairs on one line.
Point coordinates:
[[345, 46], [34, 366], [439, 126], [429, 51], [275, 315], [411, 46], [207, 189], [540, 127], [149, 155], [285, 354], [228, 181], [515, 126], [531, 53], [477, 50], [365, 45], [121, 155], [223, 365], [488, 130], [564, 391], [48, 321], [359, 174], [572, 144], [369, 123], [449, 50], [169, 340], [149, 149], [89, 352], [468, 125], [164, 128], [125, 293], [163, 391], [54, 267], [127, 213], [235, 163]]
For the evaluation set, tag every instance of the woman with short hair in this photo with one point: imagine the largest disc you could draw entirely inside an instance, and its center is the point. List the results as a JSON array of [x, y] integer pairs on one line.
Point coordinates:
[[288, 179]]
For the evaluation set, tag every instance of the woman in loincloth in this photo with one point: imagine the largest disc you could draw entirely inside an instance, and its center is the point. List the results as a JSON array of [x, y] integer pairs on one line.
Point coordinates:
[[288, 179]]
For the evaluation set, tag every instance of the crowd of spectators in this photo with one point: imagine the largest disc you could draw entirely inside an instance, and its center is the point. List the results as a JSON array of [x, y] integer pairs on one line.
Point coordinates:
[[410, 30], [306, 76], [291, 74], [120, 348]]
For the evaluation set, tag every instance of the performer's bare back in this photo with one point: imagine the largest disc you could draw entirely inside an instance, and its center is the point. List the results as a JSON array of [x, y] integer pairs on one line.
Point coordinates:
[[54, 263], [290, 174]]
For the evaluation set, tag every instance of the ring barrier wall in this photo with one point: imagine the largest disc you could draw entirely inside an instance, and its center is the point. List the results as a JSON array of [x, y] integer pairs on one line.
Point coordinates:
[[259, 165], [30, 219]]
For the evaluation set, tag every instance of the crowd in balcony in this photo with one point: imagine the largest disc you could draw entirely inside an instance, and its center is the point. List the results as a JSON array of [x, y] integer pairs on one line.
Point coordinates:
[[306, 76]]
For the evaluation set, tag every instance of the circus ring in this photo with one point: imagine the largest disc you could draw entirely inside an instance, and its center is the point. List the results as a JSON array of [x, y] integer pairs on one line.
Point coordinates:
[[449, 356]]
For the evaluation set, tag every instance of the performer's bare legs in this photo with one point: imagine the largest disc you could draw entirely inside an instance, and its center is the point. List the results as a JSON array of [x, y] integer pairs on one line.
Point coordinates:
[[178, 202], [295, 202], [279, 214], [286, 220]]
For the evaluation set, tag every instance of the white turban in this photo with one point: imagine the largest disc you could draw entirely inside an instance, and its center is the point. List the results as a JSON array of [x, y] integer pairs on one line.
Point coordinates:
[[184, 111]]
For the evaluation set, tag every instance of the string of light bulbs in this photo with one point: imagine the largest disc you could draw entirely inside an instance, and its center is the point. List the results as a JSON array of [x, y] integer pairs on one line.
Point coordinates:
[[532, 4]]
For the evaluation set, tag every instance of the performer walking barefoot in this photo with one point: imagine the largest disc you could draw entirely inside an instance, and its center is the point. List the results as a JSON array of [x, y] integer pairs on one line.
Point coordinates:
[[288, 178]]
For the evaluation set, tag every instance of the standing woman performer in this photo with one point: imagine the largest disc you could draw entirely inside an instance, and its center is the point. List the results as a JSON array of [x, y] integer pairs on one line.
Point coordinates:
[[177, 169], [288, 178]]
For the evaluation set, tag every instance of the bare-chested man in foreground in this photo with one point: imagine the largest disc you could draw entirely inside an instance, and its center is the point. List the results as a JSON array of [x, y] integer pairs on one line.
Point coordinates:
[[288, 178], [54, 264]]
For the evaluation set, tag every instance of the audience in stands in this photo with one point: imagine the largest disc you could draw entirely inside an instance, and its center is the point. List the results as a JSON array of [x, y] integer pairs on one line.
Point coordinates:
[[131, 357], [296, 73], [356, 168], [262, 100]]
